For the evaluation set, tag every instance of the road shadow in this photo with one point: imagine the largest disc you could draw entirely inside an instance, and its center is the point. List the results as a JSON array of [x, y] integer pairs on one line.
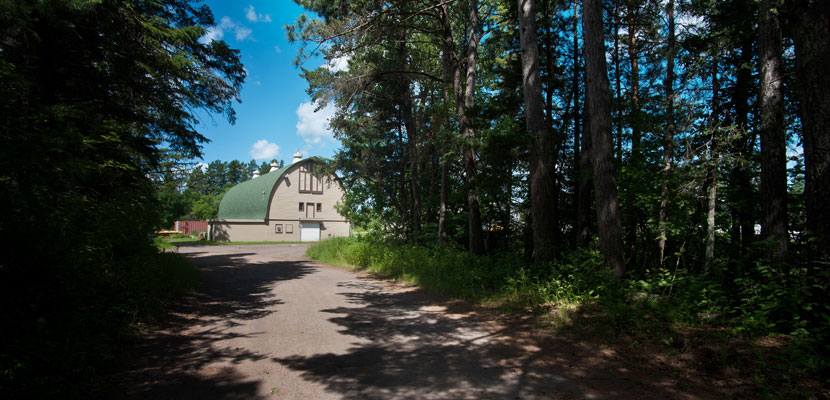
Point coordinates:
[[422, 348], [172, 361], [419, 351]]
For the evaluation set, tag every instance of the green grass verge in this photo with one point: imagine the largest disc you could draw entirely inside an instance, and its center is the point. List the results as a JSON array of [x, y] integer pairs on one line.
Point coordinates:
[[172, 243], [581, 298]]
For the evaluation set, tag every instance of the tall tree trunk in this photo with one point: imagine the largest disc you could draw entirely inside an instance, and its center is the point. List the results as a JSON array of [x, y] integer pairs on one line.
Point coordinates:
[[605, 183], [468, 132], [773, 135], [450, 66], [586, 173], [556, 139], [442, 208], [541, 146], [812, 41], [740, 174], [715, 123], [465, 100], [710, 217], [668, 137], [634, 79], [411, 126], [582, 148], [617, 85]]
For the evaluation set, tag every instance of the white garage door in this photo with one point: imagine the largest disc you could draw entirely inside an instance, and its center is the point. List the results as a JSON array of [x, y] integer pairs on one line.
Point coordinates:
[[309, 232]]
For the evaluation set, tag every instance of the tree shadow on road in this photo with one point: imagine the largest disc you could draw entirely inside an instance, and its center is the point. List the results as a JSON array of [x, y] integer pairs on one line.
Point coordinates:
[[173, 360], [419, 351], [422, 348]]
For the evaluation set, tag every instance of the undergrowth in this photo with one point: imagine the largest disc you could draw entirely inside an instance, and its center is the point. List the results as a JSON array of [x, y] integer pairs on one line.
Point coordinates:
[[659, 305], [65, 340]]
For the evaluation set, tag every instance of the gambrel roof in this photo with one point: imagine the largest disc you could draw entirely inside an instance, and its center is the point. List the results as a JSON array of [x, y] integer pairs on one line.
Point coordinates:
[[250, 199]]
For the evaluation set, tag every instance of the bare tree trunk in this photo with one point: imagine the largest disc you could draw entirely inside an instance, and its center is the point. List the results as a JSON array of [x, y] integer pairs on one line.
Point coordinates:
[[465, 100], [773, 135], [583, 192], [633, 54], [541, 162], [411, 126], [557, 140], [617, 85], [442, 209], [581, 149], [812, 58], [709, 257], [445, 190], [605, 183], [467, 131], [710, 217], [450, 66], [744, 148], [668, 137]]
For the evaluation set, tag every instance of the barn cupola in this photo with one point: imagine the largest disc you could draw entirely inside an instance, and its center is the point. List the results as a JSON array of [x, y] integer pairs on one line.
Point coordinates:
[[274, 166], [297, 157]]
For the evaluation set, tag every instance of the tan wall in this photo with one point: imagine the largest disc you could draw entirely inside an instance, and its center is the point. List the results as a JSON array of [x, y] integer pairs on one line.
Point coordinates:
[[335, 229], [287, 198], [285, 236], [234, 231]]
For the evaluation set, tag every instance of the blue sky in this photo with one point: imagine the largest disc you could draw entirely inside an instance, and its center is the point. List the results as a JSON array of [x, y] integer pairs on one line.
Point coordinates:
[[275, 118]]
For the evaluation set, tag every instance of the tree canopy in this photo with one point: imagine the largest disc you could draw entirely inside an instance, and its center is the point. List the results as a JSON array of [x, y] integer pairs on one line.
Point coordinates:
[[674, 128], [97, 98]]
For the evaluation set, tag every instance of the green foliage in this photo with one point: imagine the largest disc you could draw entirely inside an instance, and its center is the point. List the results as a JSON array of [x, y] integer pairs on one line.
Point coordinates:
[[447, 271], [99, 102], [654, 304]]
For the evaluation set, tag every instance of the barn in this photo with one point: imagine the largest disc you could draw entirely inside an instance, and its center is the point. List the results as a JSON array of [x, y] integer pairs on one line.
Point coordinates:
[[293, 203]]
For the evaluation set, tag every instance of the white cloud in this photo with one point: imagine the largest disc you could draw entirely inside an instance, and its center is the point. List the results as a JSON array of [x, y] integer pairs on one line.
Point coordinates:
[[313, 126], [213, 33], [338, 64], [264, 150], [202, 166], [277, 49], [226, 23], [252, 15], [241, 32]]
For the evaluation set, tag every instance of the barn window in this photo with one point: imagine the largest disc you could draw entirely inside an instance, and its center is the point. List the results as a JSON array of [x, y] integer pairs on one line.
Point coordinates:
[[310, 182], [319, 207], [289, 228], [278, 228], [302, 207]]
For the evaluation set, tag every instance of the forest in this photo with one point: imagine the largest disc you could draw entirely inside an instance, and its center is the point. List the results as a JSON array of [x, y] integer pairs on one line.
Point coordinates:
[[187, 190], [99, 101], [658, 164], [671, 149]]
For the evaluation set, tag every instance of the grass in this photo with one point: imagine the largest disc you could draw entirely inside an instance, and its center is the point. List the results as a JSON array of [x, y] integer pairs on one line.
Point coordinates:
[[689, 319], [173, 242], [212, 243]]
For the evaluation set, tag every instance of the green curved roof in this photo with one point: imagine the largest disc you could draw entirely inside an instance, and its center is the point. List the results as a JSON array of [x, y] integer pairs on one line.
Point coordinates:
[[249, 199]]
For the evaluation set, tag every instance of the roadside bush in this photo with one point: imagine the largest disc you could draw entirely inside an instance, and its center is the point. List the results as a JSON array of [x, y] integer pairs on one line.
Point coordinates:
[[650, 304]]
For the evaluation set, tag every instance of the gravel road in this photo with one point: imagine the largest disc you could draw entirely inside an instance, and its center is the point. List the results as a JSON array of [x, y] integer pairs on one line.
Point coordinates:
[[268, 323]]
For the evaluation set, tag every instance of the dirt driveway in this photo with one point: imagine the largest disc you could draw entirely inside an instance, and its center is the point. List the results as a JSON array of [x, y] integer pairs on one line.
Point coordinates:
[[269, 323]]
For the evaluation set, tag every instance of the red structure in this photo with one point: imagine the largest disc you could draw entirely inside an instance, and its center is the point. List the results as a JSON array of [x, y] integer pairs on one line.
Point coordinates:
[[191, 227]]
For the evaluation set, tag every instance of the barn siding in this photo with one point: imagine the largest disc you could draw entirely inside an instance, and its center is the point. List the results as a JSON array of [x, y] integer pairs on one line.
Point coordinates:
[[189, 227]]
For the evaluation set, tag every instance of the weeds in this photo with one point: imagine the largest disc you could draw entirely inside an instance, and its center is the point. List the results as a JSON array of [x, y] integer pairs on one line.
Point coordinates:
[[675, 310]]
